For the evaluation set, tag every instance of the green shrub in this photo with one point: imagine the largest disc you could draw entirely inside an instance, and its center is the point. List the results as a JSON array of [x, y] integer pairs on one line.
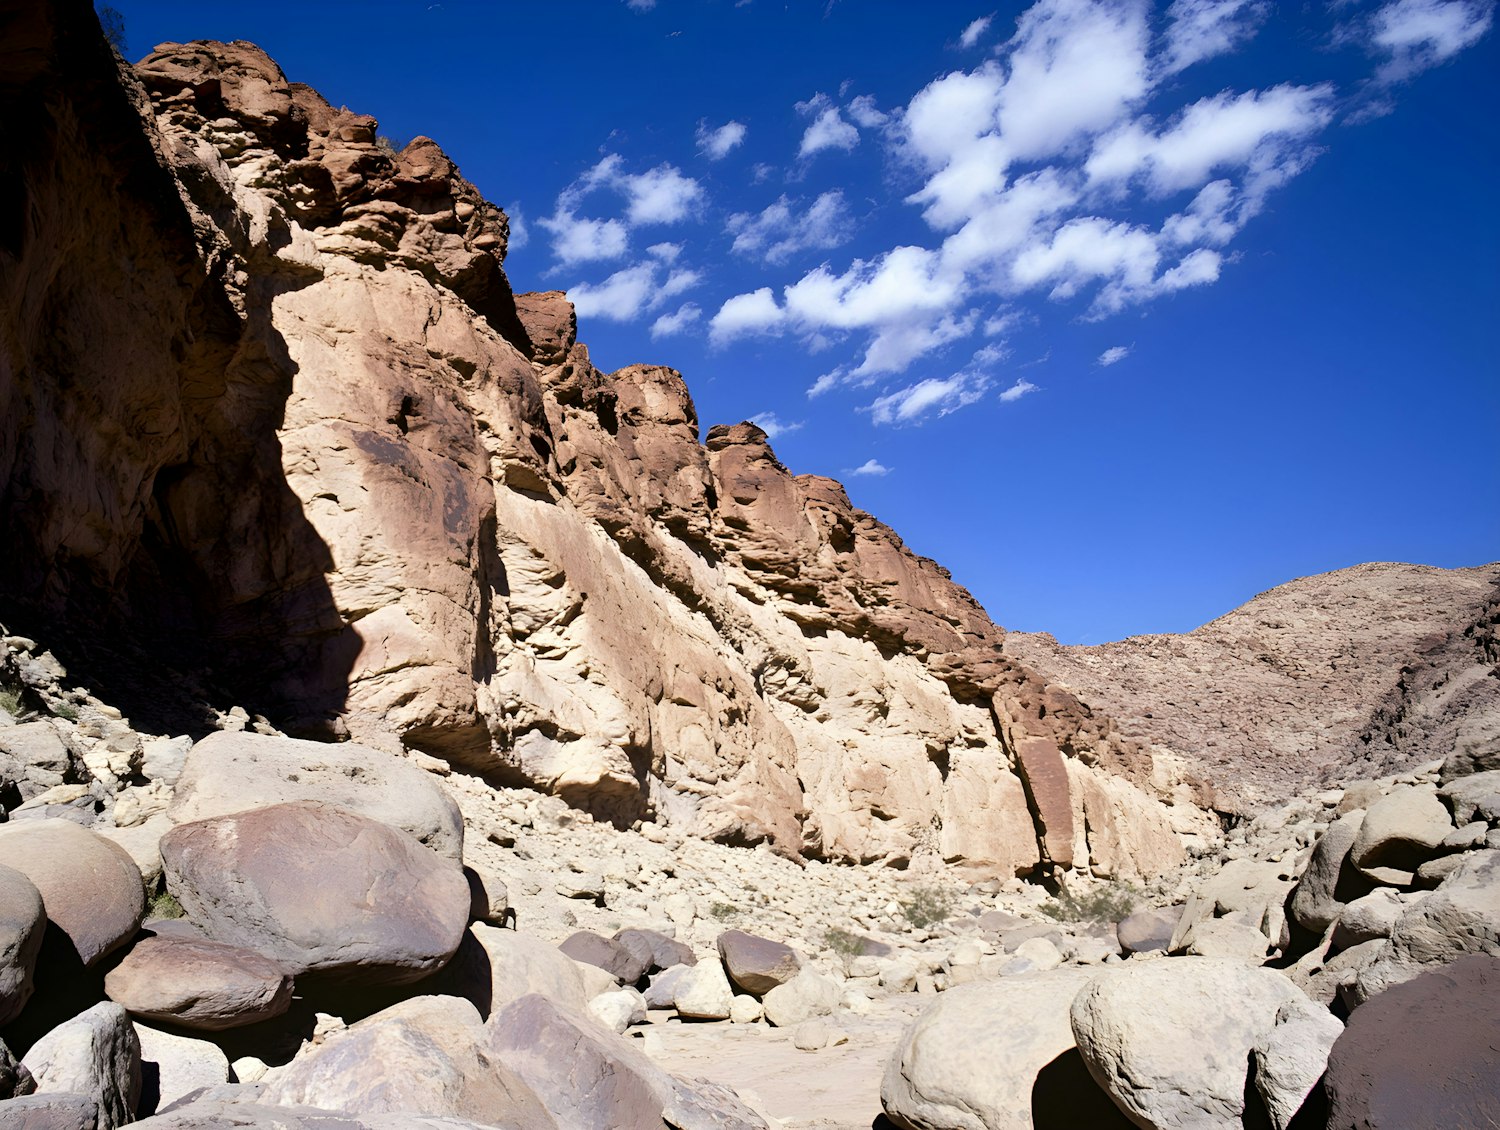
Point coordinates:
[[10, 700], [846, 944], [1107, 902], [163, 904], [723, 911], [925, 907]]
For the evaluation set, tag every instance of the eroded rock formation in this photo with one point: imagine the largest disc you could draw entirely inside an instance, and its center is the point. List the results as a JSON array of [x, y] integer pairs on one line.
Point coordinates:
[[270, 399]]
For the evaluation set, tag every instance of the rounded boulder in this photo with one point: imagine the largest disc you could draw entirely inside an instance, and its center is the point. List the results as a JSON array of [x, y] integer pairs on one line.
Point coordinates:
[[198, 984], [318, 888], [23, 923]]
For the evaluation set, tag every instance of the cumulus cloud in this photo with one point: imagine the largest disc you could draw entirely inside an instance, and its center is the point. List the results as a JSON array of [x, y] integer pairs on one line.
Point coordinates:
[[632, 291], [975, 31], [773, 425], [577, 239], [911, 404], [1113, 355], [828, 129], [869, 467], [1201, 29], [780, 231], [716, 144], [662, 195], [1016, 391], [677, 322], [1418, 34], [865, 113], [745, 315]]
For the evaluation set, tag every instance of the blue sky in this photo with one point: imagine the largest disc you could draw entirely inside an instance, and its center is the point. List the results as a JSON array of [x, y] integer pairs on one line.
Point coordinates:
[[1123, 312]]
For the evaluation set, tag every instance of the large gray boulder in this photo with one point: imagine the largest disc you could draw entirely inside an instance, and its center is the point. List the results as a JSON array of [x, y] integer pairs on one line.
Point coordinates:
[[216, 1114], [757, 965], [1253, 890], [702, 992], [97, 1054], [1170, 1040], [23, 924], [173, 1066], [1401, 831], [1329, 879], [90, 887], [944, 1071], [231, 771], [318, 888], [494, 967], [655, 949], [1424, 1055], [59, 1111], [589, 1077], [1461, 917], [619, 962], [1290, 1058], [34, 757], [1147, 931], [1473, 798], [199, 984], [425, 1055]]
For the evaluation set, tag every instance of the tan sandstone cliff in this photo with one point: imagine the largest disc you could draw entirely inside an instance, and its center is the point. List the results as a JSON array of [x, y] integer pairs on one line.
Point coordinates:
[[271, 407]]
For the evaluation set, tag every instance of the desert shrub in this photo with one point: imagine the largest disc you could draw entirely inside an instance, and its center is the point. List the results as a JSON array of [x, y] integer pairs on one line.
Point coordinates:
[[845, 944], [10, 700], [163, 904], [723, 911], [925, 907], [1107, 902]]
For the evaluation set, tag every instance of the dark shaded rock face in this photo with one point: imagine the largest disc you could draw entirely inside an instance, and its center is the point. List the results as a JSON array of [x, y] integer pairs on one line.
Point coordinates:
[[273, 413], [1422, 1055]]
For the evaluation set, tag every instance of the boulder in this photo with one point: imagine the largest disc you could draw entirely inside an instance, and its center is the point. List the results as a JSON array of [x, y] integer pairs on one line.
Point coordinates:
[[173, 1066], [1329, 880], [23, 924], [619, 1009], [1473, 798], [90, 887], [1290, 1058], [1470, 760], [1368, 918], [14, 1078], [1424, 1055], [1326, 979], [1158, 1037], [1230, 937], [625, 967], [494, 967], [489, 897], [745, 1010], [943, 1071], [588, 1077], [1253, 889], [232, 771], [34, 757], [97, 1054], [1148, 931], [60, 1111], [199, 984], [806, 995], [1462, 916], [659, 951], [702, 992], [318, 888], [1400, 832], [662, 991], [426, 1055], [217, 1113], [1035, 955], [757, 965]]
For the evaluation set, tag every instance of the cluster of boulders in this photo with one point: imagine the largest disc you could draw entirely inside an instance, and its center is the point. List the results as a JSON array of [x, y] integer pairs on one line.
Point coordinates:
[[1338, 968]]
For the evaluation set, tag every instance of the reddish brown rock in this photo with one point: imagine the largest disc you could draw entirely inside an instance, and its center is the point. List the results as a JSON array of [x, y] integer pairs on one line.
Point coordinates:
[[320, 889], [198, 984], [757, 965]]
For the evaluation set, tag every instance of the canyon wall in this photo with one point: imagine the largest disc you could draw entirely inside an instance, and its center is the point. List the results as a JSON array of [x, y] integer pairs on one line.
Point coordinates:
[[272, 411]]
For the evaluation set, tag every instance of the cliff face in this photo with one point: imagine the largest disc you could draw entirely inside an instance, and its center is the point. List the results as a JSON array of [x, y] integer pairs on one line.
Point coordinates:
[[1356, 673], [271, 407]]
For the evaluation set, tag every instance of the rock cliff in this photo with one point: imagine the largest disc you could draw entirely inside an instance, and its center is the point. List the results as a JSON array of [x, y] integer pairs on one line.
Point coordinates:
[[271, 408], [1356, 673]]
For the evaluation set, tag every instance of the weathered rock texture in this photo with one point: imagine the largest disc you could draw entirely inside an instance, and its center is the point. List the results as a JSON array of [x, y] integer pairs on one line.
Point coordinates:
[[274, 404], [1356, 673]]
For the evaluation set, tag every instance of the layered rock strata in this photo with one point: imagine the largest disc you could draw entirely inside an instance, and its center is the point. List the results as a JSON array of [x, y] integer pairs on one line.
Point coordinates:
[[270, 399]]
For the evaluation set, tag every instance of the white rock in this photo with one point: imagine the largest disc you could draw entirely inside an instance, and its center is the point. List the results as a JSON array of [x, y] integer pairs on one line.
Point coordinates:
[[1291, 1058], [618, 1009], [703, 992]]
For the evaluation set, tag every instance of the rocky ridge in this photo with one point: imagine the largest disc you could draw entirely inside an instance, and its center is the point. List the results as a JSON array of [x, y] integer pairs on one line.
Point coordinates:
[[1324, 680], [451, 533]]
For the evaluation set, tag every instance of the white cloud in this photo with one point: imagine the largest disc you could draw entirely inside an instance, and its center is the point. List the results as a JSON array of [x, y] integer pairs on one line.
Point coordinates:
[[1114, 355], [576, 239], [773, 425], [892, 288], [1016, 391], [745, 314], [640, 5], [1212, 218], [912, 403], [716, 144], [666, 252], [828, 129], [1201, 29], [520, 233], [869, 467], [677, 322], [897, 345], [619, 298], [1085, 250], [1418, 34], [865, 113], [1226, 131], [975, 31], [662, 195], [779, 232]]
